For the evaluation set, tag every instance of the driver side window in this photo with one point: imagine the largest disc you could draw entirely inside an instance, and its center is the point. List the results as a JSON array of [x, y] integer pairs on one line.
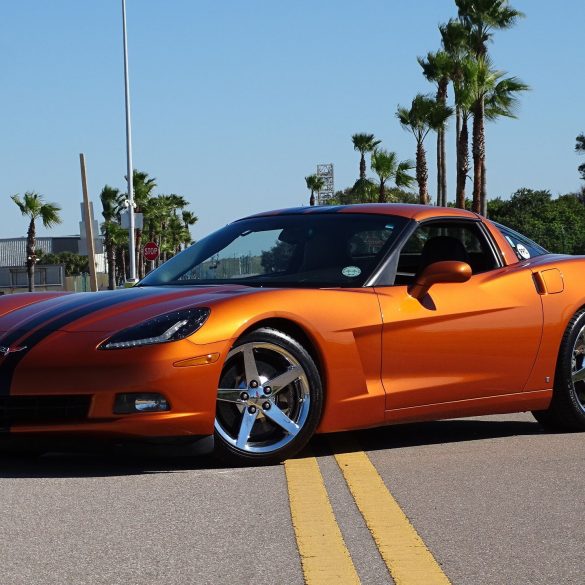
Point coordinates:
[[439, 241]]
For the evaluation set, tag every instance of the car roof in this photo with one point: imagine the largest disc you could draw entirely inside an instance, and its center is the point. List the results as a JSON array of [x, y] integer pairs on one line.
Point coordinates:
[[409, 210]]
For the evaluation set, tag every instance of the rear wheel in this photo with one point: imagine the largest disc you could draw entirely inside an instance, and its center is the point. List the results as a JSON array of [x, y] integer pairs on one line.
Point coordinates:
[[567, 409], [269, 399]]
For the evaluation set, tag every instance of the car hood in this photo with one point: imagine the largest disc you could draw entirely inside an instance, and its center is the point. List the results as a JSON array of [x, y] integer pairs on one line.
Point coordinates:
[[105, 311]]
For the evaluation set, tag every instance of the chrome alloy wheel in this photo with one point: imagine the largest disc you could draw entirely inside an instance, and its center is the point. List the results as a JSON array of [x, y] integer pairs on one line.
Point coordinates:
[[578, 367], [263, 400]]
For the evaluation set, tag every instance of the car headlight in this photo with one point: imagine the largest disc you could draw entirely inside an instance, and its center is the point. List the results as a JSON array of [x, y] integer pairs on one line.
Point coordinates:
[[161, 329]]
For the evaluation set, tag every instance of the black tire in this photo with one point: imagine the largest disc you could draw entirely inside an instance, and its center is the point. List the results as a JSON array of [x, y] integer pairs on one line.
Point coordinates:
[[270, 399], [567, 408]]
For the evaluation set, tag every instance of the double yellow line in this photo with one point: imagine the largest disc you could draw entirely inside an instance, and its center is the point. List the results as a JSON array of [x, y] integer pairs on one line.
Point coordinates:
[[324, 555]]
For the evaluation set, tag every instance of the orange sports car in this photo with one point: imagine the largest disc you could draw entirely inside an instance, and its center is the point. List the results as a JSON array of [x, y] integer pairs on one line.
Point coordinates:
[[306, 320]]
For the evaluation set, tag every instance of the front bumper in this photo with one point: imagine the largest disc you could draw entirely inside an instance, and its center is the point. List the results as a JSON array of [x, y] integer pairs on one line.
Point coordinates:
[[69, 364]]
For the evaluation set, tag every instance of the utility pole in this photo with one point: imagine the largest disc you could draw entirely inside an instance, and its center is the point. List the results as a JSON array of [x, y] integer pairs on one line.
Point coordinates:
[[131, 232], [88, 227]]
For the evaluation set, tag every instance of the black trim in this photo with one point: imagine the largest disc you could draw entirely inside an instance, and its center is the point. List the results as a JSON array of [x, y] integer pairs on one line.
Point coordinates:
[[43, 409], [386, 269], [496, 251]]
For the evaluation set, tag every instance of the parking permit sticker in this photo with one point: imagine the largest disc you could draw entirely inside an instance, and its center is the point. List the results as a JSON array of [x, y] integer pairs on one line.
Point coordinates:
[[351, 271], [523, 251]]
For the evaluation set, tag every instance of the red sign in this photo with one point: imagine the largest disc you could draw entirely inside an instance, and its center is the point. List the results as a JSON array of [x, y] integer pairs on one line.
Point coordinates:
[[151, 251]]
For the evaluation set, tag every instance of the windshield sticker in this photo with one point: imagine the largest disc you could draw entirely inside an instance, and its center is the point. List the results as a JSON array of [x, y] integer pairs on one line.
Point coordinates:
[[523, 251], [351, 271]]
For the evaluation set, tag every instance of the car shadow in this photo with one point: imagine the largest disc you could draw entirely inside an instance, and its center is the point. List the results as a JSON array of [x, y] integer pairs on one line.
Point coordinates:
[[428, 433], [103, 460], [107, 460]]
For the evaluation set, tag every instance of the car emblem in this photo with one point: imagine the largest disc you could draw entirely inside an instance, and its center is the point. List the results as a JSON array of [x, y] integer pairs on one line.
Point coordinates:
[[4, 351]]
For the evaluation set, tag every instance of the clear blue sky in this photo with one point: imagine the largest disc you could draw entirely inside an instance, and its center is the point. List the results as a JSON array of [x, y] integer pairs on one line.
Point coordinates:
[[235, 102]]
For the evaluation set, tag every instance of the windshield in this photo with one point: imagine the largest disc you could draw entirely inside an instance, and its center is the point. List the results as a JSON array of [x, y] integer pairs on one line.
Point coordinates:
[[320, 250]]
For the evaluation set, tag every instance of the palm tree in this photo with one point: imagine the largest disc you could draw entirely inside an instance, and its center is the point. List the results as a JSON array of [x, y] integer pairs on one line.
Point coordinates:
[[482, 17], [189, 219], [464, 104], [119, 237], [110, 198], [425, 114], [169, 206], [580, 149], [501, 102], [154, 211], [175, 236], [143, 188], [492, 96], [158, 213], [385, 164], [466, 92], [314, 183], [364, 143], [455, 42], [33, 206], [438, 68]]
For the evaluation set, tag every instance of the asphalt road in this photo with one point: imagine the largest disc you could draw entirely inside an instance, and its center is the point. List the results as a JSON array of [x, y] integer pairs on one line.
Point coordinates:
[[496, 501]]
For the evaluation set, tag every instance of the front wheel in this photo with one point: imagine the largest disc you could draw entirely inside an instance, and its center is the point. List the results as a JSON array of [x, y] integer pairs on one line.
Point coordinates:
[[567, 409], [269, 399]]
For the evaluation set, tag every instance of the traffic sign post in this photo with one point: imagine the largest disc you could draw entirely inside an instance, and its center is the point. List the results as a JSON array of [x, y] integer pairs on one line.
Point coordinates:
[[151, 251]]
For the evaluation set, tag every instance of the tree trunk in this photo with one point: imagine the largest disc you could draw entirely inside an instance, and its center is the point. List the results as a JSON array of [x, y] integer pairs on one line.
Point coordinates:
[[483, 187], [441, 154], [30, 255], [162, 242], [439, 169], [478, 153], [462, 163], [111, 258], [362, 166], [458, 163], [382, 192], [443, 170], [422, 173], [312, 199], [123, 264]]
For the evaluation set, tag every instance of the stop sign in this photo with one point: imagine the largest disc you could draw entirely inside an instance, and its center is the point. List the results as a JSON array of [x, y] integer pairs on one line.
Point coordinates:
[[151, 251]]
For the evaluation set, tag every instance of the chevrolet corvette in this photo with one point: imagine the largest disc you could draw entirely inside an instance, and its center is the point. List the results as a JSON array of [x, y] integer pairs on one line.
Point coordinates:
[[301, 321]]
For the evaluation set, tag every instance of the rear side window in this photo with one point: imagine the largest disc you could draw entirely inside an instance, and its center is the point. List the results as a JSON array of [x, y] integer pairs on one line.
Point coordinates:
[[524, 248]]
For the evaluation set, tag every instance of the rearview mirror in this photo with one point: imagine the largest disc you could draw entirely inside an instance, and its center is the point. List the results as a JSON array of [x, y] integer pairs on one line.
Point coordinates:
[[439, 272]]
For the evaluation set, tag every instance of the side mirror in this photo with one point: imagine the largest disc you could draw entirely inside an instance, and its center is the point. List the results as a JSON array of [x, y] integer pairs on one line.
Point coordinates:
[[439, 272]]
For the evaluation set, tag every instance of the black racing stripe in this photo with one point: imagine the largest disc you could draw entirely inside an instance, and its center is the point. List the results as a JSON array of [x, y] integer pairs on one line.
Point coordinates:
[[44, 311], [54, 319], [49, 309]]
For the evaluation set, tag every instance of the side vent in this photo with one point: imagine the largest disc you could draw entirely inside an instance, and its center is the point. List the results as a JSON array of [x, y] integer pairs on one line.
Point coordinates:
[[549, 281], [539, 283]]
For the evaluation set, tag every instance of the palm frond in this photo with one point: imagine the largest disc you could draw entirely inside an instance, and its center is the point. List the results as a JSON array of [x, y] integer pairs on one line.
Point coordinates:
[[363, 142], [49, 213], [315, 183], [402, 177]]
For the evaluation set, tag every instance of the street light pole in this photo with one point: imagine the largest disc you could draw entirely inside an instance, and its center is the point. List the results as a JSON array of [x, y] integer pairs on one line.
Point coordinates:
[[131, 232]]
